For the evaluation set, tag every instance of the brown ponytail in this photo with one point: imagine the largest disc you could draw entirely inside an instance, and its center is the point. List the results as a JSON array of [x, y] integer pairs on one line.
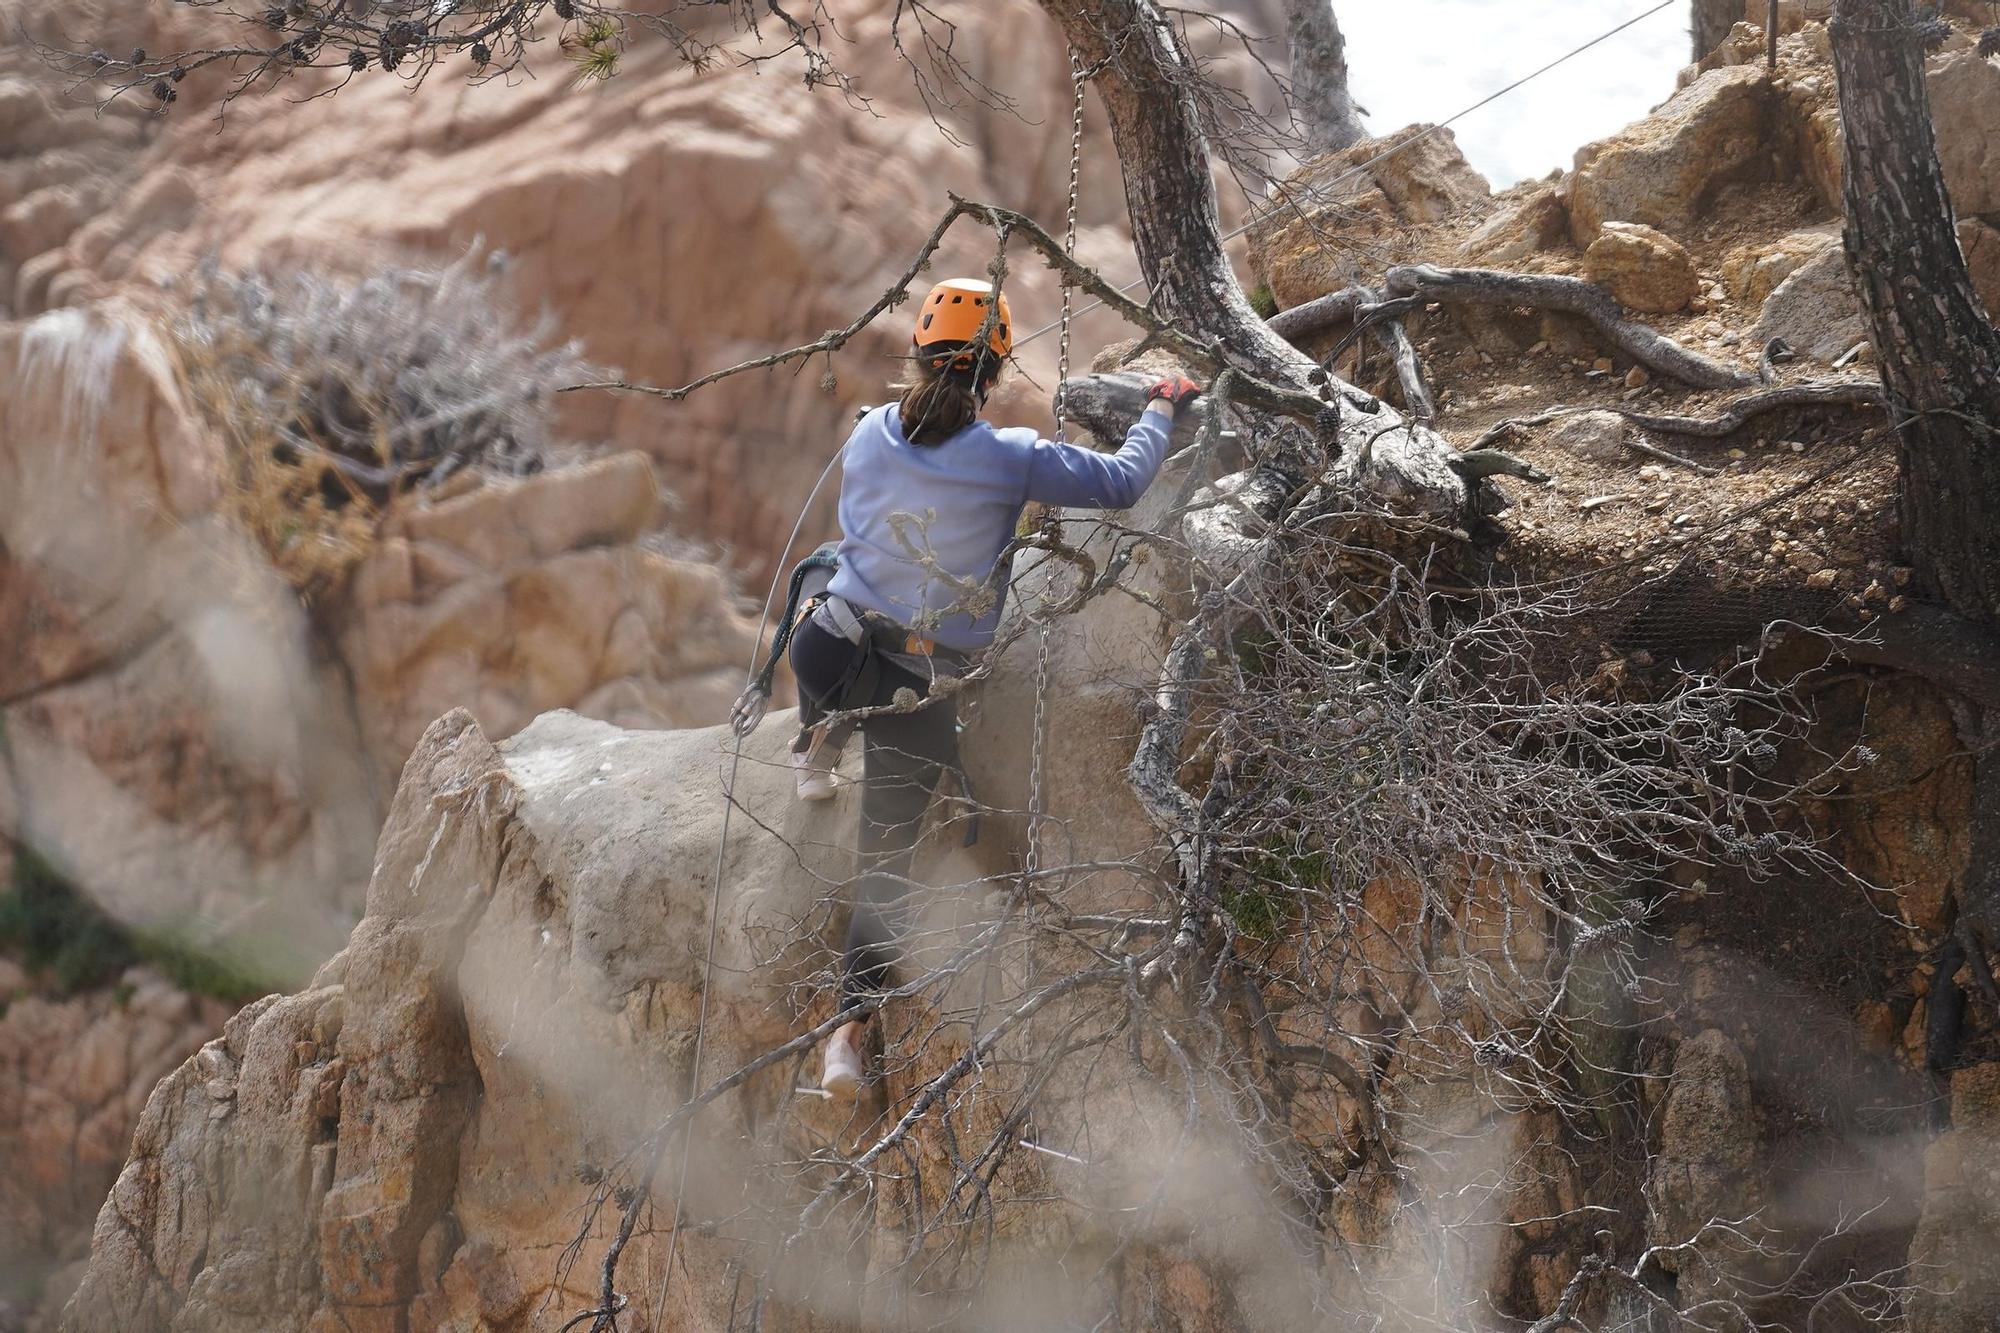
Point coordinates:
[[939, 404]]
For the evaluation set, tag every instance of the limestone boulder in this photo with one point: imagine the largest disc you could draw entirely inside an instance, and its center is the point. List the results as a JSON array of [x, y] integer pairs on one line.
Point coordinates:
[[1965, 108], [1964, 94], [1754, 272], [1350, 196], [1597, 436], [1665, 170], [1536, 221], [1815, 310], [1645, 270]]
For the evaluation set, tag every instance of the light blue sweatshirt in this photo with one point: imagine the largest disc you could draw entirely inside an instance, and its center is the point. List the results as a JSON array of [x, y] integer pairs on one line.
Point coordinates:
[[963, 500]]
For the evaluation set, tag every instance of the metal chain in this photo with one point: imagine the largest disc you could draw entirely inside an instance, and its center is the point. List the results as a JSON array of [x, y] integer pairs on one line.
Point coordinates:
[[1032, 861], [1077, 81]]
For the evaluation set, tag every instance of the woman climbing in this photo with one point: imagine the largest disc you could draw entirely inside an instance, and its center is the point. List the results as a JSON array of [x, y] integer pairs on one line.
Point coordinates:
[[930, 498]]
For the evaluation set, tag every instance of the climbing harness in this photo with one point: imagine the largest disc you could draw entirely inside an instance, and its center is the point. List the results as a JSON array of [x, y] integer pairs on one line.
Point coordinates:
[[809, 579]]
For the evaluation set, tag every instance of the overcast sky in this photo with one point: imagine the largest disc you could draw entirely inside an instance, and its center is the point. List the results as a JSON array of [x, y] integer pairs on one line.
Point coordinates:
[[1424, 60]]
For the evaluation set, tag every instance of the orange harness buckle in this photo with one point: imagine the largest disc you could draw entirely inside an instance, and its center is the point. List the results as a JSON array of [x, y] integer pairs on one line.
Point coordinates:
[[918, 646]]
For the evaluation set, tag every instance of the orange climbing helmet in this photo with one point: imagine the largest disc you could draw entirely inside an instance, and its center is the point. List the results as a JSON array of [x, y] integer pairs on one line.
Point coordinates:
[[949, 321]]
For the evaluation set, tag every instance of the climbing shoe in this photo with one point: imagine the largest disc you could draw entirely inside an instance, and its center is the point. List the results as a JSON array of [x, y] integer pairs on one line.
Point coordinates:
[[840, 1076], [814, 765]]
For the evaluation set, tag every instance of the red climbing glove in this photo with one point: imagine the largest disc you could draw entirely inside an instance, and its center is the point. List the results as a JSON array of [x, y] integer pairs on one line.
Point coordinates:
[[1178, 390]]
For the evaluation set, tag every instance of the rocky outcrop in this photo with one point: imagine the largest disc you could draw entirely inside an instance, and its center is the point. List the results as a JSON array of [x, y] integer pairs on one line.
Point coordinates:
[[522, 596], [1521, 227], [1373, 190], [199, 751], [678, 220], [1706, 1171], [1664, 170], [74, 1074], [406, 1139], [1980, 243], [1754, 271]]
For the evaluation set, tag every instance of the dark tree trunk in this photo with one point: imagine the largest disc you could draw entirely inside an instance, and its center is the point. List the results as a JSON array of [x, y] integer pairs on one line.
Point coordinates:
[[1156, 125], [1712, 21], [1327, 118], [1144, 82], [1940, 358]]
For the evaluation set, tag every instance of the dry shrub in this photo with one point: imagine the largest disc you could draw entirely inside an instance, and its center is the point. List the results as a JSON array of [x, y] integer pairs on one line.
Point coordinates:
[[337, 397]]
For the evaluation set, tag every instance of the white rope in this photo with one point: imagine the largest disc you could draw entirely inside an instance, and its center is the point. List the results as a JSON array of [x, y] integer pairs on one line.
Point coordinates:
[[1382, 157], [715, 885]]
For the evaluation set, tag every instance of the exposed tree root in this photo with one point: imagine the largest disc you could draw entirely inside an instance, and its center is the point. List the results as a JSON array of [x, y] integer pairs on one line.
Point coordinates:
[[1391, 333], [1650, 348], [1824, 393], [1319, 314]]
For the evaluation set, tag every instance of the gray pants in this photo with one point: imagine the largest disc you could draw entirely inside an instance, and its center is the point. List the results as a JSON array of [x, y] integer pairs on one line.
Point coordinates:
[[904, 757]]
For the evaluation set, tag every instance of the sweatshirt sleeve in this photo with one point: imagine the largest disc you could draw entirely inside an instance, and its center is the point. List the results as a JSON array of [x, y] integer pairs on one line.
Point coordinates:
[[1073, 476]]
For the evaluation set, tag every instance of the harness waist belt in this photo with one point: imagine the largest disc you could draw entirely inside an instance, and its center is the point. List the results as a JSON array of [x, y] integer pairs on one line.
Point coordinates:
[[837, 616]]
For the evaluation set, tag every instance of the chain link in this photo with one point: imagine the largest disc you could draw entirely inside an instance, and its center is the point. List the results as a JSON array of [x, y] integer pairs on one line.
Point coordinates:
[[1032, 860], [1077, 82]]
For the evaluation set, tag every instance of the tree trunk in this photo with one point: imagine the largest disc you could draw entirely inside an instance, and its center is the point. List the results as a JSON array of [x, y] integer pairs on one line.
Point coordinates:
[[1712, 21], [1940, 358], [1144, 80], [1327, 118]]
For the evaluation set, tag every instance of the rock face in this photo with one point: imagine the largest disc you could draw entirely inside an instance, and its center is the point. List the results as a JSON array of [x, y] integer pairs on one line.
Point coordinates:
[[394, 1145], [1540, 221], [1980, 243], [1709, 1150], [523, 596], [1755, 272], [200, 752], [1645, 270], [735, 214], [1965, 100], [74, 1075], [1664, 170]]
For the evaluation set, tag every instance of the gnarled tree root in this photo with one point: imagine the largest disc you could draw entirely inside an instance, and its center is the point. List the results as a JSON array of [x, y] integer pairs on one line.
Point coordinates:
[[1823, 393], [1649, 347]]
